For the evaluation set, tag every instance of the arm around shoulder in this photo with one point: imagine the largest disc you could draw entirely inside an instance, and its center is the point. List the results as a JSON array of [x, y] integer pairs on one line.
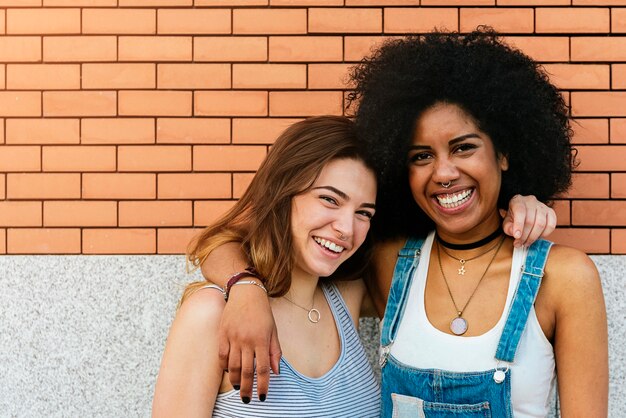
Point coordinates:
[[190, 376], [580, 334]]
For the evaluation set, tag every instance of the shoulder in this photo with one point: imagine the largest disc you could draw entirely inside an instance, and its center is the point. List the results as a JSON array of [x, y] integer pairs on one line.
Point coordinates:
[[352, 292], [201, 311]]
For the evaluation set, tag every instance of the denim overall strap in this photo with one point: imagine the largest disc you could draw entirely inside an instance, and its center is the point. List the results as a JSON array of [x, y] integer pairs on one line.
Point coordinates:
[[524, 299], [408, 259]]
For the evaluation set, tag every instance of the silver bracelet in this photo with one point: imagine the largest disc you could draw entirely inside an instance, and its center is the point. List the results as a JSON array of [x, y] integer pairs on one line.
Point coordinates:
[[250, 282]]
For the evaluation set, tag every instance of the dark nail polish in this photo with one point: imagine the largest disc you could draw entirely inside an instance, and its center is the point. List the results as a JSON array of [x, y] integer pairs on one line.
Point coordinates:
[[236, 387], [262, 397], [245, 399]]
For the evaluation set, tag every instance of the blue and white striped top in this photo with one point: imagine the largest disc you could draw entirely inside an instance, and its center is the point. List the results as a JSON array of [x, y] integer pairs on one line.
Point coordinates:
[[348, 389]]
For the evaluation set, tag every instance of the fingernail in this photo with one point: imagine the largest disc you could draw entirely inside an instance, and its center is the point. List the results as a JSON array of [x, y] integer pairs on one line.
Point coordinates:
[[236, 387], [245, 399], [518, 234], [262, 397]]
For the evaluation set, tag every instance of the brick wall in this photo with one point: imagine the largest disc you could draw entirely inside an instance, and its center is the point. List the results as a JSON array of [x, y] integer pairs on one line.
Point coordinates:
[[125, 125]]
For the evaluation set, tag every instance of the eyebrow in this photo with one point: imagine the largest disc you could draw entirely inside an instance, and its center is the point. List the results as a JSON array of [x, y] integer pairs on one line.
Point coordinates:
[[450, 142], [343, 195]]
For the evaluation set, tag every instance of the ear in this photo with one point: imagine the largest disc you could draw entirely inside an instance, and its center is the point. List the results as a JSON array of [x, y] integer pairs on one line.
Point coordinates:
[[503, 162]]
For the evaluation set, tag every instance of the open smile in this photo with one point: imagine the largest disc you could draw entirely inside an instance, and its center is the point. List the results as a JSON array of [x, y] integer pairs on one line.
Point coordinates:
[[454, 200], [329, 245]]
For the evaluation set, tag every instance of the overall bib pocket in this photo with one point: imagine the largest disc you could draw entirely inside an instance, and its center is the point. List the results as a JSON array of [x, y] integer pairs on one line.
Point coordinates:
[[409, 406]]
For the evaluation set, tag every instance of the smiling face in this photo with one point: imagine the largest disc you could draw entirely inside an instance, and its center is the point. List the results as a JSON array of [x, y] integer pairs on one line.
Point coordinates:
[[330, 220], [448, 147]]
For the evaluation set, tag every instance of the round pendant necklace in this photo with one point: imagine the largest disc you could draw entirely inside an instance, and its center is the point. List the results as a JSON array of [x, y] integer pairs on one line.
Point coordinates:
[[313, 314], [459, 325]]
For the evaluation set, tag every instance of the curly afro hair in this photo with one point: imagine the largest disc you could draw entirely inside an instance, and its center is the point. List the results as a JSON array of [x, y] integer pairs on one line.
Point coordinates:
[[506, 92]]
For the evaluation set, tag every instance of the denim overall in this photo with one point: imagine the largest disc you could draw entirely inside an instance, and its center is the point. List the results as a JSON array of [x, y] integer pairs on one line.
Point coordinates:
[[432, 393]]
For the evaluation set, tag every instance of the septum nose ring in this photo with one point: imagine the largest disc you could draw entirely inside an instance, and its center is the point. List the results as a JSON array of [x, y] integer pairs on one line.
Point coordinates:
[[446, 185]]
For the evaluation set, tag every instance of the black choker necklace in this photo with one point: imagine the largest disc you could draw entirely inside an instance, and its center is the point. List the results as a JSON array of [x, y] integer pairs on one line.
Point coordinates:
[[495, 234]]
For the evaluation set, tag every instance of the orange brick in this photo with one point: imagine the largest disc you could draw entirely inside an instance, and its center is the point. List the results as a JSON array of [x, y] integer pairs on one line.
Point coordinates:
[[82, 3], [329, 76], [562, 210], [43, 241], [20, 103], [306, 103], [208, 212], [501, 19], [579, 76], [79, 103], [119, 186], [618, 72], [43, 21], [3, 193], [119, 76], [119, 241], [155, 48], [259, 131], [79, 213], [1, 131], [406, 20], [599, 2], [20, 3], [309, 2], [3, 241], [20, 213], [618, 241], [78, 158], [590, 131], [155, 103], [194, 76], [117, 131], [591, 241], [175, 240], [2, 31], [599, 103], [357, 47], [241, 181], [79, 48], [145, 3], [227, 157], [589, 186], [20, 48], [43, 76], [312, 48], [599, 212], [333, 20], [154, 158], [534, 2], [618, 20], [231, 2], [220, 49], [601, 158], [20, 158], [458, 2], [193, 131], [43, 186], [270, 21], [585, 48], [194, 21], [155, 213], [572, 20], [255, 76], [41, 131], [382, 2], [618, 186], [194, 186], [2, 76], [541, 48], [119, 21], [230, 103], [618, 131]]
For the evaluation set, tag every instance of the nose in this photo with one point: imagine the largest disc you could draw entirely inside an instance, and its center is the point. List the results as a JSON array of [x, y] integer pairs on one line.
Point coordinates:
[[344, 224], [444, 171]]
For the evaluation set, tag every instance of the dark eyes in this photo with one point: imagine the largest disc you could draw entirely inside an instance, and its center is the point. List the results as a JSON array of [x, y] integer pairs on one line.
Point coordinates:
[[329, 199], [423, 157], [365, 213]]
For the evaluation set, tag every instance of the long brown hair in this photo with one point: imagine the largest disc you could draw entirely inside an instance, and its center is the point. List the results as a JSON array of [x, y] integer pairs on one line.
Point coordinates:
[[261, 219]]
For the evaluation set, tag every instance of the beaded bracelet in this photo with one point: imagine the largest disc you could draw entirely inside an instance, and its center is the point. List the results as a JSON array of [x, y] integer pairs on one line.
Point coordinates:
[[248, 272]]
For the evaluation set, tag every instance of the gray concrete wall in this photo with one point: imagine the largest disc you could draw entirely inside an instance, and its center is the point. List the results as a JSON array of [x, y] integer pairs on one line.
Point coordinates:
[[83, 335]]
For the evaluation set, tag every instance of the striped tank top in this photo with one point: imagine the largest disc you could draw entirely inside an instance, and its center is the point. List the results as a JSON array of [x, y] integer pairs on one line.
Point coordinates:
[[348, 389]]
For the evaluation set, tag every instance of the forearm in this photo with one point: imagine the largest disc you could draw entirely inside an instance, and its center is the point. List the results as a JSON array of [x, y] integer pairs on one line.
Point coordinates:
[[223, 262]]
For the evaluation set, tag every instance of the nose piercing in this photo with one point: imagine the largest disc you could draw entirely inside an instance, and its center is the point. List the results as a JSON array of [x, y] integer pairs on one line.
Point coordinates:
[[446, 185]]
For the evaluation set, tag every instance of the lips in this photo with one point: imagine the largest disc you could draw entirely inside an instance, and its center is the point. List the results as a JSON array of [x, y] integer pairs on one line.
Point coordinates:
[[453, 200], [329, 245]]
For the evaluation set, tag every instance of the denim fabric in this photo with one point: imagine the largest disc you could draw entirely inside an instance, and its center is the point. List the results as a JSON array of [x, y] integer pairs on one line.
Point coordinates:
[[432, 393]]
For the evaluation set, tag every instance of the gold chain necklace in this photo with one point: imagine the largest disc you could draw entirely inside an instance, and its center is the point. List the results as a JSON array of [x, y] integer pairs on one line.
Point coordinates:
[[459, 325], [461, 271], [313, 314]]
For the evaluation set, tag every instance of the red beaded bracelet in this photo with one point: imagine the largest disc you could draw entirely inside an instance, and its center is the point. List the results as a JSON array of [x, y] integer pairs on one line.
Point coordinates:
[[248, 272]]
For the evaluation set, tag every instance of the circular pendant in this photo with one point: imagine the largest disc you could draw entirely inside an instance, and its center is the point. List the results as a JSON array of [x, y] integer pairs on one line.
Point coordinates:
[[499, 376], [314, 316], [458, 326]]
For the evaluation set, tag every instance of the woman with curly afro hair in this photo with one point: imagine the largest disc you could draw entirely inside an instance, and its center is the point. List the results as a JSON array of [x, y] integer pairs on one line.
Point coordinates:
[[456, 125]]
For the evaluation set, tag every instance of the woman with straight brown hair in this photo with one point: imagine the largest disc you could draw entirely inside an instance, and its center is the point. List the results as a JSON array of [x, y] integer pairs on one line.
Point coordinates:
[[306, 212]]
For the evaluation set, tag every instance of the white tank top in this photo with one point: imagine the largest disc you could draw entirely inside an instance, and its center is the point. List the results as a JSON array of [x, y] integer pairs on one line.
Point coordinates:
[[419, 344]]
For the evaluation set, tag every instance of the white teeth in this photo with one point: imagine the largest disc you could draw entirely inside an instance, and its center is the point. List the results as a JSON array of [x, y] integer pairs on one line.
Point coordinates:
[[454, 200], [328, 244]]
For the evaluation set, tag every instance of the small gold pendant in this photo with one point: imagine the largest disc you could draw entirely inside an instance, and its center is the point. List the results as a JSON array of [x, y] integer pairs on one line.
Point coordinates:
[[462, 269]]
